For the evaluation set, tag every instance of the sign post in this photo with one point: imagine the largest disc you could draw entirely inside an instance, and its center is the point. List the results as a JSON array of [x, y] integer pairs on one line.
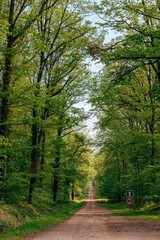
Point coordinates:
[[129, 198], [129, 193]]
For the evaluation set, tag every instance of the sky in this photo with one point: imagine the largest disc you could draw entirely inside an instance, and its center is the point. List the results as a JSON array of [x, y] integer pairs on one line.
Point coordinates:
[[95, 68]]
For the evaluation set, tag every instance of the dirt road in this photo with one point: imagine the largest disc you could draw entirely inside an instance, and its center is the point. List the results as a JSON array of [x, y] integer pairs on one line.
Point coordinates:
[[93, 222]]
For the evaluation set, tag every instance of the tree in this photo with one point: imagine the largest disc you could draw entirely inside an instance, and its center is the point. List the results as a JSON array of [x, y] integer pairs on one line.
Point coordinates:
[[76, 165], [128, 91], [46, 58], [58, 67], [126, 137], [19, 21]]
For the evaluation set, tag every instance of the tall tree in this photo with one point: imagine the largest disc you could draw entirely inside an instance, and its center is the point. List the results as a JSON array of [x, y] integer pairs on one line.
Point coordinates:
[[58, 66], [125, 119], [19, 21], [130, 98]]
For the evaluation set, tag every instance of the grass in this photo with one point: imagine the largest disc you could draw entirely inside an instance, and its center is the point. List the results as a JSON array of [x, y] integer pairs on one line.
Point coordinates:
[[40, 222], [145, 212]]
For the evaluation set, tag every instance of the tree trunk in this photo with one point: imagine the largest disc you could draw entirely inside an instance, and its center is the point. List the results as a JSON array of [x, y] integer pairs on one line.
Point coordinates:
[[119, 180], [124, 168], [4, 111], [55, 186], [31, 189], [72, 194], [56, 167], [35, 155], [140, 187], [42, 154], [152, 120], [55, 181]]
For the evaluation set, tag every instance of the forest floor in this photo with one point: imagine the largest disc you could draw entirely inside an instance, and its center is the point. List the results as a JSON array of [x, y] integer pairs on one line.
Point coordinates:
[[95, 222]]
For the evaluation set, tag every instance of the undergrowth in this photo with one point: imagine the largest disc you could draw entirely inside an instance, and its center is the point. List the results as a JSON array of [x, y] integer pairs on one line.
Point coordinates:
[[147, 211], [17, 221]]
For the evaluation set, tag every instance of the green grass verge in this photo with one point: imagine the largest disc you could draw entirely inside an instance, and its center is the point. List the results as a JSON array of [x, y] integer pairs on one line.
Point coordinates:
[[60, 214], [145, 212]]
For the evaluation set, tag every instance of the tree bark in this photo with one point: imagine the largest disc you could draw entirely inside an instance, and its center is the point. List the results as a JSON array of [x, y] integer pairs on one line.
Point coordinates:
[[42, 155], [55, 181], [35, 155], [4, 111], [152, 120], [73, 195], [56, 167]]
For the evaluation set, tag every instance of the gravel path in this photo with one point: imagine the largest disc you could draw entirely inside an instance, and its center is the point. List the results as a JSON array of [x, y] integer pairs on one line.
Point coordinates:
[[93, 222]]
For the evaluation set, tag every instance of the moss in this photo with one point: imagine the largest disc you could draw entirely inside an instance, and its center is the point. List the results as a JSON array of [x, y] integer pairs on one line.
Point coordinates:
[[8, 217]]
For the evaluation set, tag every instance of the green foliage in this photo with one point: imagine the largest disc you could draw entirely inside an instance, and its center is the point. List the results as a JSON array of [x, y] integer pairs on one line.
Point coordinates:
[[34, 218], [127, 102], [148, 211], [43, 76]]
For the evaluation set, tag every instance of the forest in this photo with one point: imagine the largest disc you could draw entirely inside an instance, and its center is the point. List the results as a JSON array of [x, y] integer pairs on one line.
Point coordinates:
[[46, 153], [127, 102]]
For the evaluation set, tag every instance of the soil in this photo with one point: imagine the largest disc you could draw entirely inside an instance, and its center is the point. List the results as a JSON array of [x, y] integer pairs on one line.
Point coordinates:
[[95, 222]]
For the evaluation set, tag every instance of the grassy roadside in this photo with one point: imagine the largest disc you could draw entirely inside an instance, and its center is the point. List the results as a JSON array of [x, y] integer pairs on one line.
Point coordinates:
[[148, 211], [39, 222]]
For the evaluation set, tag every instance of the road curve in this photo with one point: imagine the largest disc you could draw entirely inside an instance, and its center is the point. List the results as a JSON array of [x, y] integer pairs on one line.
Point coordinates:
[[93, 222]]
